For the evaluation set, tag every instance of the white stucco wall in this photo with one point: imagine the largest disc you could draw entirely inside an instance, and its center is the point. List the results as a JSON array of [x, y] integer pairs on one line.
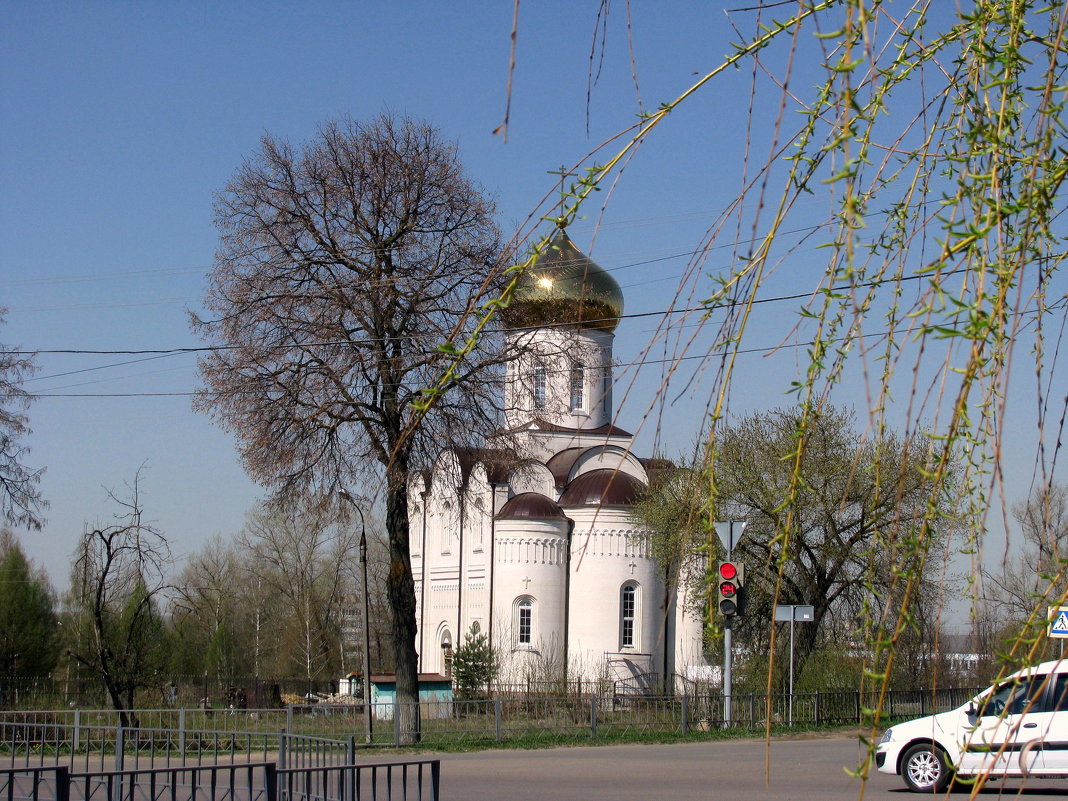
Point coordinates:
[[608, 553], [558, 349], [530, 559]]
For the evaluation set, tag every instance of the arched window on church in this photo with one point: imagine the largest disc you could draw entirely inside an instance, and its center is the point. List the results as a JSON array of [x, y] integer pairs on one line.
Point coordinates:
[[446, 527], [524, 621], [628, 616], [414, 516], [578, 386], [541, 379]]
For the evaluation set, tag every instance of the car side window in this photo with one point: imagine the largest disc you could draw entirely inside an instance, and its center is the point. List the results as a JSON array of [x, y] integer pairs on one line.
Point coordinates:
[[1060, 693], [1016, 697]]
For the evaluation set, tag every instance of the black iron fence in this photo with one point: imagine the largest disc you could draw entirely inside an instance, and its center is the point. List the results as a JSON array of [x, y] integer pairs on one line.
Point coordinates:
[[410, 781], [263, 781]]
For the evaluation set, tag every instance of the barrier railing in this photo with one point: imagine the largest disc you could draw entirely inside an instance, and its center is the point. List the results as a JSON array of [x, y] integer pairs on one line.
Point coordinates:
[[35, 784], [412, 781], [95, 748], [595, 716], [264, 781], [324, 735]]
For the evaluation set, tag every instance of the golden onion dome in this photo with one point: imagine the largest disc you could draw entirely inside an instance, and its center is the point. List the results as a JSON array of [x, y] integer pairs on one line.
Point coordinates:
[[565, 288]]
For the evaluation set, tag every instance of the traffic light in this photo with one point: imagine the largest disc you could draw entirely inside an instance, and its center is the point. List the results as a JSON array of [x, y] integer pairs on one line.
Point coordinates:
[[731, 576]]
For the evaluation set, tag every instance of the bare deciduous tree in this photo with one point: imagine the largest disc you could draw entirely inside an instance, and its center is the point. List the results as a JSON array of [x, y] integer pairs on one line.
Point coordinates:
[[1043, 520], [281, 598], [1025, 586], [20, 500], [343, 266], [213, 614], [301, 562], [116, 626]]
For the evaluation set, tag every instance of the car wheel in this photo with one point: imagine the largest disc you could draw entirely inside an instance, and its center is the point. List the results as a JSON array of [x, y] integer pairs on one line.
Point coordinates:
[[925, 770]]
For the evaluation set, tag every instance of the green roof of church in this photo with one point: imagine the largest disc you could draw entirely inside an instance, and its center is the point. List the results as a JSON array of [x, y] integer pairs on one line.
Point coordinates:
[[566, 288]]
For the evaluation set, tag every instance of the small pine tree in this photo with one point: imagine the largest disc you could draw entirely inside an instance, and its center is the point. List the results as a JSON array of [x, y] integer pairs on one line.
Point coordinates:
[[474, 665]]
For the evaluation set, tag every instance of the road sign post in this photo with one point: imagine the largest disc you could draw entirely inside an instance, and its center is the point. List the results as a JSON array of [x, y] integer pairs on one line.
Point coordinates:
[[1058, 622], [794, 613]]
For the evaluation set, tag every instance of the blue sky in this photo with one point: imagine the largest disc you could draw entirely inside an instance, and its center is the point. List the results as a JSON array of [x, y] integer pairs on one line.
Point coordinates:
[[121, 120]]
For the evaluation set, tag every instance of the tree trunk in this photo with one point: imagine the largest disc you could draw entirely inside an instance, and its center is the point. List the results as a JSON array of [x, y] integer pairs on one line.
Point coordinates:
[[400, 587], [115, 694]]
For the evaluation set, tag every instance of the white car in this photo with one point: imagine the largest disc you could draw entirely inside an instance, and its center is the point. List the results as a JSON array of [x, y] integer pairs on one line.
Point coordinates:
[[1018, 727]]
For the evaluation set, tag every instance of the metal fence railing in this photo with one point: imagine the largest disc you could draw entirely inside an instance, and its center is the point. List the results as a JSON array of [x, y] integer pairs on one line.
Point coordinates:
[[597, 716], [314, 719], [263, 781], [179, 691], [411, 781], [96, 748], [35, 784], [321, 735]]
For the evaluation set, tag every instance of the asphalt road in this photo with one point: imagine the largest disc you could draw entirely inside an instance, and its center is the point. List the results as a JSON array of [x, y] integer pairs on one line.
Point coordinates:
[[799, 769]]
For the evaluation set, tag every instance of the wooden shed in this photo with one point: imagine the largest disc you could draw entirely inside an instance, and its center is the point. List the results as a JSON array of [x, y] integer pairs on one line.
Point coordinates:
[[435, 695]]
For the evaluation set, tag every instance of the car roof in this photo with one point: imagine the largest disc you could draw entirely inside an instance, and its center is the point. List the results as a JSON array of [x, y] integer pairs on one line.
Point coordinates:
[[1053, 666]]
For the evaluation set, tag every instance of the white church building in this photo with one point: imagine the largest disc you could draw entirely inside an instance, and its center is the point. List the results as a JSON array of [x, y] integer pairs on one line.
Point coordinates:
[[535, 541]]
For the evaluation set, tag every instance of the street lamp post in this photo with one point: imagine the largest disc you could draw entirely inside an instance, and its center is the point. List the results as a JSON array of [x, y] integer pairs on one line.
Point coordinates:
[[367, 710]]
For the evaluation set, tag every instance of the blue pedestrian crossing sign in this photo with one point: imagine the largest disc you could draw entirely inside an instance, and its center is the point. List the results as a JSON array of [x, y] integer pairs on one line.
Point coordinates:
[[1058, 621]]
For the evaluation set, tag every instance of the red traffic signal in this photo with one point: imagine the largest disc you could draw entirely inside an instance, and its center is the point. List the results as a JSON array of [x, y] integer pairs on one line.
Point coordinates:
[[730, 587]]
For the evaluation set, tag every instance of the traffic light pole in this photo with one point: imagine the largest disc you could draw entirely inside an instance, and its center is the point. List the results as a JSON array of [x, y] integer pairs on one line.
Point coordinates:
[[791, 716], [727, 678], [728, 650], [729, 592]]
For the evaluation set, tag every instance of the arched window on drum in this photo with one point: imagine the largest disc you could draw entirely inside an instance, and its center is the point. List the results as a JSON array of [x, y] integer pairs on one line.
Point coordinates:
[[578, 387], [541, 380], [628, 616], [523, 623]]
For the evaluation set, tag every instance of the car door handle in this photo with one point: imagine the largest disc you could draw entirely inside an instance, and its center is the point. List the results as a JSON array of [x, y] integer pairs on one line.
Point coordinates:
[[1030, 725]]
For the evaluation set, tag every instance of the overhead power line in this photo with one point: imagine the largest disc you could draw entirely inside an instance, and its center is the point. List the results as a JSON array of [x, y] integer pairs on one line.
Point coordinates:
[[370, 340], [634, 363], [152, 355]]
